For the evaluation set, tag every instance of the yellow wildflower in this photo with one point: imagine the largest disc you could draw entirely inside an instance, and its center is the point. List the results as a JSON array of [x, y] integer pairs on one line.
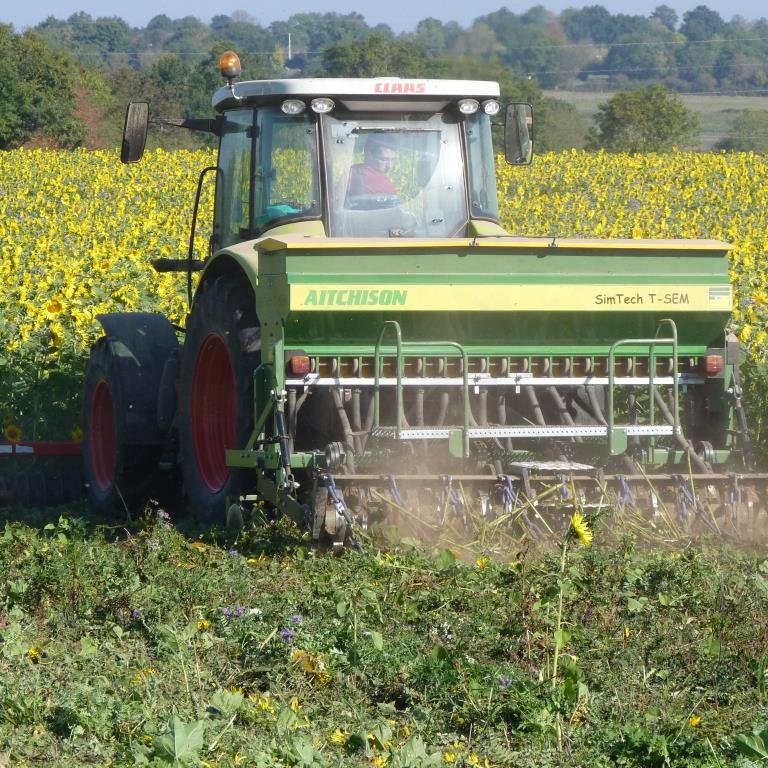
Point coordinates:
[[312, 666], [338, 737], [694, 721], [449, 758], [482, 562], [295, 704], [264, 703], [379, 761], [53, 307], [627, 633], [581, 529], [34, 653], [12, 433], [203, 625]]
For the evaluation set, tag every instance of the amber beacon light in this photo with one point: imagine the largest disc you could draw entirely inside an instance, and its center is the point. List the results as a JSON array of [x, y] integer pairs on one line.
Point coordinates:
[[229, 65]]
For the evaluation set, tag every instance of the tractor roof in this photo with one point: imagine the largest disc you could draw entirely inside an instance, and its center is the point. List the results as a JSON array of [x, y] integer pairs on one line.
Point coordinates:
[[393, 93]]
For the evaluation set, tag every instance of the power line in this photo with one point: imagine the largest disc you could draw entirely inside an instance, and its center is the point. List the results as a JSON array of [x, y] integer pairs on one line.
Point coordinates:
[[553, 46]]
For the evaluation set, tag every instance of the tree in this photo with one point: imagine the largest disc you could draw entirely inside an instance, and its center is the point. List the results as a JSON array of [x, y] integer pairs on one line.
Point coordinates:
[[701, 24], [749, 132], [648, 119], [642, 56], [566, 128], [665, 16], [376, 56], [592, 22], [38, 95]]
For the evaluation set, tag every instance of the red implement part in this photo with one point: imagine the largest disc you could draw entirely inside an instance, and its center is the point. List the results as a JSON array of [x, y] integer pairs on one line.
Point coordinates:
[[214, 411], [40, 448]]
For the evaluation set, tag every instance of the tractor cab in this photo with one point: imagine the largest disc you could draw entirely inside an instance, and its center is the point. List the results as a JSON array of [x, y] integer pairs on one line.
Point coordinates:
[[355, 158], [382, 157]]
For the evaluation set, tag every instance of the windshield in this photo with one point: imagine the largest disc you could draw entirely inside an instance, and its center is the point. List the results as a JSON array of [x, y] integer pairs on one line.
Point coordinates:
[[267, 173], [482, 168], [394, 175]]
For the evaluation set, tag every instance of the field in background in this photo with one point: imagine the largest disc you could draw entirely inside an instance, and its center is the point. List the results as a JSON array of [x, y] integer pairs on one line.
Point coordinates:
[[78, 232], [715, 112]]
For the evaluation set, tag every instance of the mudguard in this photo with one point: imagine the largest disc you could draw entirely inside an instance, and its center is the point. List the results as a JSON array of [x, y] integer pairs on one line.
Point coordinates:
[[140, 343]]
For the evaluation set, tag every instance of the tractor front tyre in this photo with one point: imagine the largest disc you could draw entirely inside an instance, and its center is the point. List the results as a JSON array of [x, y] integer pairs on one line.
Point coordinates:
[[119, 477], [221, 350]]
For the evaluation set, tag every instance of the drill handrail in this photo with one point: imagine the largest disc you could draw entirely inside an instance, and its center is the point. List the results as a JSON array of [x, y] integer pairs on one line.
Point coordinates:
[[401, 347], [652, 343]]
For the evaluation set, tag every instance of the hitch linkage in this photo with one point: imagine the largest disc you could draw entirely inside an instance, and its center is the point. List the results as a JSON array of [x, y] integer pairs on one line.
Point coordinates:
[[341, 508]]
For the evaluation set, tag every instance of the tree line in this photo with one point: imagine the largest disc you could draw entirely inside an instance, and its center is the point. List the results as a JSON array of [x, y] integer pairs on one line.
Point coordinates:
[[65, 82]]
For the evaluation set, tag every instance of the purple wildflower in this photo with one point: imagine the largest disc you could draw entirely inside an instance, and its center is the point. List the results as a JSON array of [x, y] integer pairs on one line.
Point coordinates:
[[239, 611], [233, 552], [296, 618], [505, 681], [227, 613], [136, 614], [163, 515], [287, 635]]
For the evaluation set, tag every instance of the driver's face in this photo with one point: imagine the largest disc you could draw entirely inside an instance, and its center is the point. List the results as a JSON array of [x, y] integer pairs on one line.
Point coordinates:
[[385, 159]]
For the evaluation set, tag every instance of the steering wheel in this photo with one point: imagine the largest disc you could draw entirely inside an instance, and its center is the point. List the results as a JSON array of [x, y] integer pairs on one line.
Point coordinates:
[[372, 202]]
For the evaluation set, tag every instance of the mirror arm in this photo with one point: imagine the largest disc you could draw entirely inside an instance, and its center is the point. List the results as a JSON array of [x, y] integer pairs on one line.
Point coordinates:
[[193, 124]]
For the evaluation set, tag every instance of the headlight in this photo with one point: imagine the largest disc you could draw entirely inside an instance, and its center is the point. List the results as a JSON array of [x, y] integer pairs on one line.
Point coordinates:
[[322, 105], [293, 106]]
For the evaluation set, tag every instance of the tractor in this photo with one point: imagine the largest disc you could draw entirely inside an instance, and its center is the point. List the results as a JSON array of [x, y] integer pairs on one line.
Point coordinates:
[[364, 323]]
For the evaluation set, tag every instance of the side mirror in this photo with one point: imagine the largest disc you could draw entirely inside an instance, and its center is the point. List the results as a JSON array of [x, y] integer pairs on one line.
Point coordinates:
[[518, 136], [134, 132]]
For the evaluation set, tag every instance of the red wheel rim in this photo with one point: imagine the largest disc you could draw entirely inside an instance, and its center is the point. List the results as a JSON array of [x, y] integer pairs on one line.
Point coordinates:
[[214, 411], [103, 436]]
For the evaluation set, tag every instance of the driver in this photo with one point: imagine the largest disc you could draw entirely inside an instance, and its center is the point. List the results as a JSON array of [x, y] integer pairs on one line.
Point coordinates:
[[371, 177]]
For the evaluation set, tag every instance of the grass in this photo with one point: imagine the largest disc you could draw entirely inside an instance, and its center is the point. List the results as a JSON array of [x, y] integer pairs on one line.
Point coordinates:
[[716, 112], [149, 644]]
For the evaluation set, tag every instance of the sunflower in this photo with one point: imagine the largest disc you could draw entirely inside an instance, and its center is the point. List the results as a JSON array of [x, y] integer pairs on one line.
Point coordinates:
[[12, 433], [53, 307], [581, 529]]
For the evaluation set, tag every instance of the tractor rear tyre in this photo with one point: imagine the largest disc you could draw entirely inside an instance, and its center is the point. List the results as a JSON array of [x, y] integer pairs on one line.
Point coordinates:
[[119, 477], [221, 351]]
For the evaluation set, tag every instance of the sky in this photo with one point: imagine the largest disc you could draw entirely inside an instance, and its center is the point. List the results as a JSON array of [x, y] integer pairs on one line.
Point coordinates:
[[400, 15]]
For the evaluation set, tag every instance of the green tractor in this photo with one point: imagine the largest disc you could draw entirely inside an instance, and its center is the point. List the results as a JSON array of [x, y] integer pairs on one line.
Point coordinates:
[[363, 325]]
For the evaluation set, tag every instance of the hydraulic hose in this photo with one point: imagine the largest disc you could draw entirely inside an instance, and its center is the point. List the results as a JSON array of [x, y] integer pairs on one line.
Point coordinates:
[[700, 464], [349, 442], [530, 393], [357, 420], [565, 416]]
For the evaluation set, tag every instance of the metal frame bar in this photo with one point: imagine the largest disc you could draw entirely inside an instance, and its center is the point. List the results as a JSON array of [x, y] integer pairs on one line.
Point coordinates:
[[400, 348], [652, 381], [441, 433], [481, 380]]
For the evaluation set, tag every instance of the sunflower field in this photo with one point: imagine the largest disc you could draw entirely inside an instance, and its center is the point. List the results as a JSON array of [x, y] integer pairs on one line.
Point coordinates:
[[78, 231]]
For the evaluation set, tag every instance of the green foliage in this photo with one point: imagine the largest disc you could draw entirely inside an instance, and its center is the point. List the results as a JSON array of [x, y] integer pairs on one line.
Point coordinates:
[[749, 132], [137, 645], [376, 56], [649, 119], [566, 129], [37, 93], [754, 745], [172, 62]]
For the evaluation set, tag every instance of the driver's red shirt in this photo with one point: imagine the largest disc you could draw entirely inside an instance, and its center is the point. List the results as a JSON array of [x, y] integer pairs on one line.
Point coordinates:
[[366, 180]]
